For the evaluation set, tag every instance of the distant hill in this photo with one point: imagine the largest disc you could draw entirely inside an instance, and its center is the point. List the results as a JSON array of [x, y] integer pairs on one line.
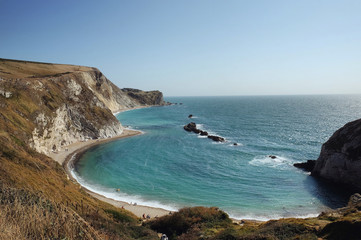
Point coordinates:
[[45, 107]]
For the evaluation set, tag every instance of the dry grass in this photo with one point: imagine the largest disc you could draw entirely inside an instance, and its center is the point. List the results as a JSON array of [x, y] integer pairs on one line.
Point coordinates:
[[26, 69], [27, 216]]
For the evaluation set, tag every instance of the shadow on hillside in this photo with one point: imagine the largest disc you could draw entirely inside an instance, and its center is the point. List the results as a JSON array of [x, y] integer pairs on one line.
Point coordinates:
[[330, 194]]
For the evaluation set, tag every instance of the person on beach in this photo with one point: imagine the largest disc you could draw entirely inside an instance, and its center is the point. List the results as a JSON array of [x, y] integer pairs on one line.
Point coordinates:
[[143, 215], [164, 237]]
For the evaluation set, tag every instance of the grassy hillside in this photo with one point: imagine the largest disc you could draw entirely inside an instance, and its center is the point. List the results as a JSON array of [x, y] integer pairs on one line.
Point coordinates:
[[38, 201], [26, 69]]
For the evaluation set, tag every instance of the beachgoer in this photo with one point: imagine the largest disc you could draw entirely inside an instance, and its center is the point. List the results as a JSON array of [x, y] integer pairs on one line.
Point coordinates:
[[164, 237], [148, 216], [143, 215]]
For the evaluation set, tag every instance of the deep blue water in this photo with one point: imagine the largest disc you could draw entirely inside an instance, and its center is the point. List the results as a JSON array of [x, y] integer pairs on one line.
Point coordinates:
[[170, 168]]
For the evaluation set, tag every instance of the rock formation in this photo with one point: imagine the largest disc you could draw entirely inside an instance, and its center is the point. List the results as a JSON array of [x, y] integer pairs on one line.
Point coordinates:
[[145, 97], [63, 104], [306, 166], [192, 127], [216, 138], [340, 157]]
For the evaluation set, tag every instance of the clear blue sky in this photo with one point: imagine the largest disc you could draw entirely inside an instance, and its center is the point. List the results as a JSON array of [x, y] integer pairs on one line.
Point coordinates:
[[195, 47]]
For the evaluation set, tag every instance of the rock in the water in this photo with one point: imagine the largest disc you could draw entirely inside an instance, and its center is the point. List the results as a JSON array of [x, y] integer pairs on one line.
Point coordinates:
[[197, 131], [216, 138], [190, 116], [340, 157], [190, 127], [235, 144], [272, 156], [306, 166], [204, 133]]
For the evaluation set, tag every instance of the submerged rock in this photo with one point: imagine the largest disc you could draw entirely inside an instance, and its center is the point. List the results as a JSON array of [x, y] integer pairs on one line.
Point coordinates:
[[306, 166], [190, 116], [272, 156]]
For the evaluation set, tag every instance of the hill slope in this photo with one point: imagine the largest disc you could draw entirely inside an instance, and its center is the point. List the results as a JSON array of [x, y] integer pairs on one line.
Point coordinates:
[[44, 107], [62, 104]]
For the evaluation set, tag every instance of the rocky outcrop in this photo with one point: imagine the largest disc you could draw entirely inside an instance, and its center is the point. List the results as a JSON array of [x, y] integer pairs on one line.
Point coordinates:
[[145, 97], [216, 138], [306, 166], [192, 127], [62, 104], [340, 157]]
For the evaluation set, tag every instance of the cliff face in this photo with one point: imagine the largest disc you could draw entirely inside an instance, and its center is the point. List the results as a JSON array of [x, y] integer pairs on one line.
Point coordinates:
[[340, 157], [58, 104], [145, 97]]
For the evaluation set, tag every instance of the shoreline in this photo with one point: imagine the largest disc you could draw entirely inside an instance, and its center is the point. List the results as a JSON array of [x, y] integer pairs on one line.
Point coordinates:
[[68, 158], [76, 150]]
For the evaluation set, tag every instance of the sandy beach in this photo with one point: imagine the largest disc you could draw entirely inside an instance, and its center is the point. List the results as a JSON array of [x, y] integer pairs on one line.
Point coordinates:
[[66, 159]]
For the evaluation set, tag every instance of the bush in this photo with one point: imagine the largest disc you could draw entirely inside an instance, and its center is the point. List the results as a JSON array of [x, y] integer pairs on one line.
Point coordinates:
[[180, 222]]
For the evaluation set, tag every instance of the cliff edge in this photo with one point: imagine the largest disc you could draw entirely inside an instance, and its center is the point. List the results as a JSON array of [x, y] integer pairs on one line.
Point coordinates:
[[340, 157], [57, 104]]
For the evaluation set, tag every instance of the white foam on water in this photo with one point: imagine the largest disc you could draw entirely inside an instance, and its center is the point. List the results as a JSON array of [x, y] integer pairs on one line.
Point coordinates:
[[134, 129], [200, 126], [278, 162], [269, 217], [120, 196]]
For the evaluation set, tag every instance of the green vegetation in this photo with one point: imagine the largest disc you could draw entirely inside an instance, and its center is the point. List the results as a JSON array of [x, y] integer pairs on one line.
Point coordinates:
[[38, 201]]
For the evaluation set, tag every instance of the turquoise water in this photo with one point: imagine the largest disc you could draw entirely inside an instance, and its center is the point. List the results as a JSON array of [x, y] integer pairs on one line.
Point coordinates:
[[170, 168]]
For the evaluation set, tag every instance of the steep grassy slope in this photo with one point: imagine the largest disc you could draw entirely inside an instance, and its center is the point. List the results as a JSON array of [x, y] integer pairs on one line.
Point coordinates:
[[38, 201], [44, 107], [52, 109]]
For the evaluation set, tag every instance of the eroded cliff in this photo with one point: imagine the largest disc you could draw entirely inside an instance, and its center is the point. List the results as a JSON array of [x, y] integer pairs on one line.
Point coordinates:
[[340, 157], [61, 104]]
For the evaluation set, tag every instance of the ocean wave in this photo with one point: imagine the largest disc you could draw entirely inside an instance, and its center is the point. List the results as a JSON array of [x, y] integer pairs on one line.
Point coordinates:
[[120, 196], [269, 217], [135, 129], [200, 136], [274, 162]]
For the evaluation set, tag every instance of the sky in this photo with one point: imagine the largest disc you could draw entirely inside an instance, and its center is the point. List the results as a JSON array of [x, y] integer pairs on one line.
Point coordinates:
[[195, 47]]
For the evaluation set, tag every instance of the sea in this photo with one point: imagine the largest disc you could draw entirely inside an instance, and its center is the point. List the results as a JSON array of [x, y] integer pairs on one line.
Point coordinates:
[[170, 168]]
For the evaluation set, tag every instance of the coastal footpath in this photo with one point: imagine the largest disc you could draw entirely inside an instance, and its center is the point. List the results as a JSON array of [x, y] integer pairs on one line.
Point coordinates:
[[60, 110]]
